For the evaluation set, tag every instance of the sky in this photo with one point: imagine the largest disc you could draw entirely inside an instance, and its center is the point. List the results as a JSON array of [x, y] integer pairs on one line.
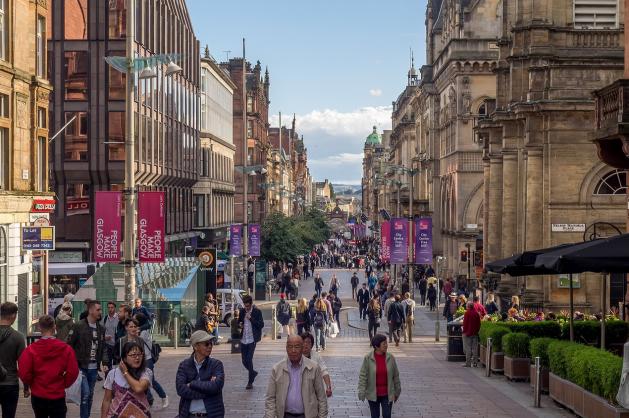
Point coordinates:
[[336, 64]]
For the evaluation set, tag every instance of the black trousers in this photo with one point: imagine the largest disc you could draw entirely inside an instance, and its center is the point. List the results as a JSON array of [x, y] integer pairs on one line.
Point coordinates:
[[9, 396], [49, 408], [362, 310], [246, 354]]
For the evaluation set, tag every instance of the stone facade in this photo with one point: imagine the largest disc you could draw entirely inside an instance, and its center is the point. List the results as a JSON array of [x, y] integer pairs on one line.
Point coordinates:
[[540, 167]]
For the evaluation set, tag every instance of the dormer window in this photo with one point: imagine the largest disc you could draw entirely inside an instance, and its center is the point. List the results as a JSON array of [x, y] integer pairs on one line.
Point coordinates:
[[596, 14]]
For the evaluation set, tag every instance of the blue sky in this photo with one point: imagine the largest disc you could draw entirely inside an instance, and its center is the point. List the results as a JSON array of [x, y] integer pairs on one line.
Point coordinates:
[[337, 64]]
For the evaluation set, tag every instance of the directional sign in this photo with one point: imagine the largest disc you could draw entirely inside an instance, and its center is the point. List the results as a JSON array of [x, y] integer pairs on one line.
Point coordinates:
[[38, 238]]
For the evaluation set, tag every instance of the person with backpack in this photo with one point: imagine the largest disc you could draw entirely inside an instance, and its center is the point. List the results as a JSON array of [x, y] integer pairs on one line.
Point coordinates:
[[12, 345], [319, 323], [432, 296], [336, 303], [409, 309], [396, 318], [423, 287], [283, 315], [318, 282], [374, 314], [354, 282], [151, 353], [334, 285], [371, 282]]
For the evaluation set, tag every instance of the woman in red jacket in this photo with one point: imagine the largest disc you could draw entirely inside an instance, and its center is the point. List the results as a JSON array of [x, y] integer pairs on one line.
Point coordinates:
[[48, 366]]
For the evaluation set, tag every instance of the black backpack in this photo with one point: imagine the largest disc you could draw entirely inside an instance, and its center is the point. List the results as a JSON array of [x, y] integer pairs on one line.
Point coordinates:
[[319, 319], [156, 349]]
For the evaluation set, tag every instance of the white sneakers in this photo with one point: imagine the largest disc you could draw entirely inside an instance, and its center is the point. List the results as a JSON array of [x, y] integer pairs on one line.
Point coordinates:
[[165, 402]]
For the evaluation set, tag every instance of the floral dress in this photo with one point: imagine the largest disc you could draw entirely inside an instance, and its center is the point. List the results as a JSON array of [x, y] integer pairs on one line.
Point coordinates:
[[124, 402]]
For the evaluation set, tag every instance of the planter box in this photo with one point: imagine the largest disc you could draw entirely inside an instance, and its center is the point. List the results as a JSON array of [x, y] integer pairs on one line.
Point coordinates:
[[517, 368], [497, 362], [581, 402], [483, 354], [544, 376]]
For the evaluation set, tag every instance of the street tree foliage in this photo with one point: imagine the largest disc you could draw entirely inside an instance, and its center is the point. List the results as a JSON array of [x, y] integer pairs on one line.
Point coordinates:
[[285, 238]]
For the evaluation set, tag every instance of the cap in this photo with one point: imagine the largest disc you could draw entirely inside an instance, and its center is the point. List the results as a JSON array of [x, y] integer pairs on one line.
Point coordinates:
[[453, 294], [282, 295], [199, 337]]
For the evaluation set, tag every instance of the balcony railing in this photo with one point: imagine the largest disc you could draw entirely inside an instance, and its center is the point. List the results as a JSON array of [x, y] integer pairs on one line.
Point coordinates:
[[612, 107]]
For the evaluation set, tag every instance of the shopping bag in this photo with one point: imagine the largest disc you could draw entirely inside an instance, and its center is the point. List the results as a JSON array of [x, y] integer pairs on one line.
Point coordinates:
[[73, 393], [334, 329]]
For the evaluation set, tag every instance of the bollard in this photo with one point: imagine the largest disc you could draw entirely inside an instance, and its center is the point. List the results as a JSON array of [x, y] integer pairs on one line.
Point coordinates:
[[274, 322], [176, 332], [538, 384], [488, 358], [437, 331]]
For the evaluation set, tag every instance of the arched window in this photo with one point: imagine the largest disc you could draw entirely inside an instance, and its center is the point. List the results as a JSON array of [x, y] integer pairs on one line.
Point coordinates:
[[3, 265], [614, 182]]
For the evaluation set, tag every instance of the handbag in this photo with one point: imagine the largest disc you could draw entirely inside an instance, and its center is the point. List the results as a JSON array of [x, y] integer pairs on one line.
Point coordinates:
[[334, 329], [73, 393]]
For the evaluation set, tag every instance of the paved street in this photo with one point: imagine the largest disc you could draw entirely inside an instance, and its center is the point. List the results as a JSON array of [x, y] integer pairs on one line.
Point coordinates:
[[431, 387]]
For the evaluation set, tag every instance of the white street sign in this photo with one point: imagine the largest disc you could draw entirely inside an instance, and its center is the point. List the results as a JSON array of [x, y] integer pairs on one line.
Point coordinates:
[[568, 227]]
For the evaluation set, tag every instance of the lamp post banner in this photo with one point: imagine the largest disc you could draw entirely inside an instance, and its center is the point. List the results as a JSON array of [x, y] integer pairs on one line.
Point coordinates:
[[235, 240], [385, 241], [399, 241], [254, 239], [423, 241], [107, 226], [151, 223]]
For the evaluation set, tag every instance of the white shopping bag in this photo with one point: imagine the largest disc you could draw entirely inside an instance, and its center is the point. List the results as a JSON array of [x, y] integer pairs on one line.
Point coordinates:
[[73, 393], [334, 329]]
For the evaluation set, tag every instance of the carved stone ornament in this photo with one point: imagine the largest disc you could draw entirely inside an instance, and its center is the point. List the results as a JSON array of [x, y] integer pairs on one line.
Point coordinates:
[[43, 3], [42, 96]]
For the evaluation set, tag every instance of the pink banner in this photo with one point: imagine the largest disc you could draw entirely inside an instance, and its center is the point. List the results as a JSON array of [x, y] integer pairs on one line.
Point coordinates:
[[385, 241], [107, 226], [151, 244]]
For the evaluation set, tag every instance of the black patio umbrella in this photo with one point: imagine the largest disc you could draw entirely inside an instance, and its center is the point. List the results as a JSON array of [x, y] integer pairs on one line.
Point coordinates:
[[523, 264]]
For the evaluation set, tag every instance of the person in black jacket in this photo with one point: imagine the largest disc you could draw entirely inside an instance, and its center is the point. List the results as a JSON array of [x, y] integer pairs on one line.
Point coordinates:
[[201, 378], [363, 300], [250, 318], [396, 317]]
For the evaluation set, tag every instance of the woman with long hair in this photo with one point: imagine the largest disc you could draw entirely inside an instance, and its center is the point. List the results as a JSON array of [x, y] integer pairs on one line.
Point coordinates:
[[147, 341], [320, 322], [374, 313], [490, 304], [334, 285], [302, 320], [126, 385], [379, 379]]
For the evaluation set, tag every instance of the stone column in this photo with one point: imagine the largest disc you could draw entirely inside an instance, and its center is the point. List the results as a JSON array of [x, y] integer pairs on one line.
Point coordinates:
[[494, 209], [509, 202], [534, 207]]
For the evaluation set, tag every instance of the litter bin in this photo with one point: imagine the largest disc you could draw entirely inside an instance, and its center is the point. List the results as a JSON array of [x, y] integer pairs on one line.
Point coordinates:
[[455, 342]]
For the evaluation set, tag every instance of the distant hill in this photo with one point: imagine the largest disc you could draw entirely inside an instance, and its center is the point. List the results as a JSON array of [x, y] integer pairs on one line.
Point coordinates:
[[347, 189]]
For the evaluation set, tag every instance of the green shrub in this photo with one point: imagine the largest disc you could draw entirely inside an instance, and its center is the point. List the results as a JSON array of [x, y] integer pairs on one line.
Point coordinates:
[[516, 344], [589, 332], [538, 347], [558, 356], [536, 329], [616, 332], [496, 335], [485, 328]]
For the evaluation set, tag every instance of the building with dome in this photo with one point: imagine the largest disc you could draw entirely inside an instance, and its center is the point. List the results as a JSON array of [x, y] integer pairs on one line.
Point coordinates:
[[373, 153]]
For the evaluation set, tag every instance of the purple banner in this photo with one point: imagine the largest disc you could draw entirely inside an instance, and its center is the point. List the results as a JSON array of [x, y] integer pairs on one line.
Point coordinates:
[[399, 240], [385, 241], [423, 241], [235, 240], [254, 240]]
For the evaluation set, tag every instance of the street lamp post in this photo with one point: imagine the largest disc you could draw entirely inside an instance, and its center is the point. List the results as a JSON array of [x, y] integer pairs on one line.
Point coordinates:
[[469, 268]]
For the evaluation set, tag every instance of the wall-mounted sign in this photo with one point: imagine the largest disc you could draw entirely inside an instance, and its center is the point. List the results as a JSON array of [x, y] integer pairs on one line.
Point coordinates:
[[38, 238], [39, 219], [564, 281], [568, 227], [78, 206], [43, 206]]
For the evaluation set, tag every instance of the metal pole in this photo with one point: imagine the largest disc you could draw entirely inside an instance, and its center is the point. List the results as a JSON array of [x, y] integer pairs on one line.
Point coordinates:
[[129, 192], [176, 331], [488, 358], [537, 384], [412, 239], [231, 283], [571, 319], [274, 322], [245, 154], [603, 309], [438, 331]]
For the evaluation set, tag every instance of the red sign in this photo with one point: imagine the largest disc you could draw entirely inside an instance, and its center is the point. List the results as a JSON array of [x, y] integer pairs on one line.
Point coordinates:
[[107, 226], [43, 206], [77, 206], [151, 234], [385, 241]]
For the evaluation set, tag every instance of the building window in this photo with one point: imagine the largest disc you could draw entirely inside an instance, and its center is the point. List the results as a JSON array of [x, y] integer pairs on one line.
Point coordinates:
[[41, 118], [116, 137], [76, 73], [117, 80], [199, 210], [77, 199], [250, 156], [249, 129], [4, 159], [75, 137], [3, 264], [41, 46], [75, 19], [117, 19], [595, 14], [4, 30], [614, 182], [249, 104], [4, 105], [41, 163]]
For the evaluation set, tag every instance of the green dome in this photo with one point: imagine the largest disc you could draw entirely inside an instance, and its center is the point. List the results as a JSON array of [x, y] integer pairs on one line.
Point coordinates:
[[373, 138]]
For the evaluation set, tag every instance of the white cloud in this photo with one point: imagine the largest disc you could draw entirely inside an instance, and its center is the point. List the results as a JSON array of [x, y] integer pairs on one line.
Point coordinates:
[[375, 92], [336, 160]]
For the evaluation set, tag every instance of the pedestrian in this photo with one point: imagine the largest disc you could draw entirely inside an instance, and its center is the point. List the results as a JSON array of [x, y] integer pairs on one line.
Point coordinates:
[[283, 315], [354, 282], [285, 286], [379, 379], [334, 285], [139, 308], [306, 269], [409, 309], [447, 287], [362, 298], [390, 298], [302, 316], [147, 342], [200, 380], [432, 296], [124, 313], [308, 339], [422, 290], [295, 387], [250, 318], [312, 266], [450, 307], [203, 321], [319, 323], [250, 273], [374, 312], [478, 307], [336, 303], [110, 323], [471, 326], [48, 367], [396, 318], [372, 281], [127, 385], [64, 321], [12, 345], [318, 282], [490, 304], [87, 338]]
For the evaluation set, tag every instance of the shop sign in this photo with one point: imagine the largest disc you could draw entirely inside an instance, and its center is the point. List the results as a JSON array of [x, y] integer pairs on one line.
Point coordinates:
[[43, 206], [79, 206], [39, 219], [38, 238], [568, 227], [564, 281]]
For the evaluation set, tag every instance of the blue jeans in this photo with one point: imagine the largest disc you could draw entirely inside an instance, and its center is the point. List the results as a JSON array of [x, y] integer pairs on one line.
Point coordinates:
[[155, 384], [87, 391], [381, 402], [319, 337]]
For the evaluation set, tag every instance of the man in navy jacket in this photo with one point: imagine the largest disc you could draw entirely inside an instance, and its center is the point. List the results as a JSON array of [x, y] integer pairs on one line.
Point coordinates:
[[250, 319], [200, 380]]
